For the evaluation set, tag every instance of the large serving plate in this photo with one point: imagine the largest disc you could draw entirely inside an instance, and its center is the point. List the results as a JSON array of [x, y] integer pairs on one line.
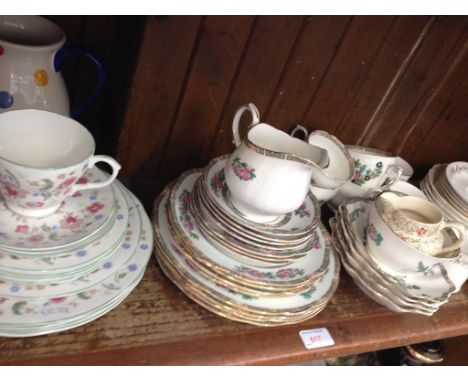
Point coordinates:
[[80, 217], [299, 276], [178, 264]]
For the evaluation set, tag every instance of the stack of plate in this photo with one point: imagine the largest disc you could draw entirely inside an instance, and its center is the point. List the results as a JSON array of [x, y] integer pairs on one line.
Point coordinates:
[[421, 292], [447, 186], [75, 265], [263, 274]]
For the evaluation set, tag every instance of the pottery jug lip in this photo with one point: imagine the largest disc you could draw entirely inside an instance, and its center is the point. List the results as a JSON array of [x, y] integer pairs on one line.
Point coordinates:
[[309, 154], [53, 37]]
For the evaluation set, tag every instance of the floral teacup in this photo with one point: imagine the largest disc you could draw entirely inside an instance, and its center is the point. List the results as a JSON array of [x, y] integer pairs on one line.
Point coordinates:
[[396, 255], [42, 158], [371, 163], [418, 222]]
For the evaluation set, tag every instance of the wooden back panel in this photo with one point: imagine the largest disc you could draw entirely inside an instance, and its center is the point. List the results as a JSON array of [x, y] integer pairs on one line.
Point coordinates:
[[396, 83]]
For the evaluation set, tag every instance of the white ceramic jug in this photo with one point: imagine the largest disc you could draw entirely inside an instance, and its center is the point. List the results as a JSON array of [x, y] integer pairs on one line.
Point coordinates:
[[269, 173], [31, 54]]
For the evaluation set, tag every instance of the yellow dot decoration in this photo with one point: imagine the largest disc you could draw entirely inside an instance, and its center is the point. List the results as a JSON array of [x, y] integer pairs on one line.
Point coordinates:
[[40, 77]]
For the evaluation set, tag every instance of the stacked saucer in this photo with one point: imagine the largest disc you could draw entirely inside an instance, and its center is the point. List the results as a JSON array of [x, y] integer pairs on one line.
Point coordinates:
[[447, 186], [265, 274], [73, 266], [419, 288]]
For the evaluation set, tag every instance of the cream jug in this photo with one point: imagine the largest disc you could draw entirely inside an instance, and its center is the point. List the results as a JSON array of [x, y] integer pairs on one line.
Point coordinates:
[[269, 173], [31, 54]]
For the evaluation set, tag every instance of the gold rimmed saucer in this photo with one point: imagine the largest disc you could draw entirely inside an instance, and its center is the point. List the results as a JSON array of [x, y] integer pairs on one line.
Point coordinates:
[[201, 209], [294, 225]]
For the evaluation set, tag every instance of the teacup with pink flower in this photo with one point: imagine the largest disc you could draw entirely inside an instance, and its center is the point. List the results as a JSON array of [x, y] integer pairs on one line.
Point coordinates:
[[43, 157]]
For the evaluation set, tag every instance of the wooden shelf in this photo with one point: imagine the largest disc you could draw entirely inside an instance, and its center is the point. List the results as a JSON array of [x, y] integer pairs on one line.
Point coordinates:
[[158, 325]]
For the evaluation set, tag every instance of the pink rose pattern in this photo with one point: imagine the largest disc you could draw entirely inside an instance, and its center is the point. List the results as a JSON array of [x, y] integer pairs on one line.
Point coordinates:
[[282, 274], [184, 215], [22, 228], [242, 170], [71, 222], [301, 211], [316, 243], [95, 207], [218, 182]]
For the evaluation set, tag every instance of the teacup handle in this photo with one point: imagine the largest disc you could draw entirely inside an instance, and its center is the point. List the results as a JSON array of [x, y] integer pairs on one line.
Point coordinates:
[[461, 237], [302, 129], [95, 159], [391, 175], [235, 123]]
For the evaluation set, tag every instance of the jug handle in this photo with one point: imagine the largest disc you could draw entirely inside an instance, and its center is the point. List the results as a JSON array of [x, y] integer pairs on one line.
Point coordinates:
[[453, 247], [302, 129], [67, 51], [388, 179], [235, 123]]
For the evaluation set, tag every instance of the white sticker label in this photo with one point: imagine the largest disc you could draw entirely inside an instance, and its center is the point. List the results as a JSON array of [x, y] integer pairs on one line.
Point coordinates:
[[316, 338]]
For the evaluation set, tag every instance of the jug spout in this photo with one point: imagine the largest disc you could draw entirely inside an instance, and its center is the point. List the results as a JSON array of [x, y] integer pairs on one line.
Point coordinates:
[[269, 141]]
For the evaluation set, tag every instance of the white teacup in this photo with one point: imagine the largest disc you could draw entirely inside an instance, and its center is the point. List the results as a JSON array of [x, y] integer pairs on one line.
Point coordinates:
[[390, 179], [371, 163], [42, 157]]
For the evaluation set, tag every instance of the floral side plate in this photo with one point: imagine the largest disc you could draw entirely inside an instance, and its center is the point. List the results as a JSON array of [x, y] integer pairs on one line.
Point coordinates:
[[323, 289], [23, 315], [293, 225], [81, 215], [68, 265]]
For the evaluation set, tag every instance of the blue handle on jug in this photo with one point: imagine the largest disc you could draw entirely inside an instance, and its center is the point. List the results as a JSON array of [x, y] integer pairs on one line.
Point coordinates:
[[67, 51]]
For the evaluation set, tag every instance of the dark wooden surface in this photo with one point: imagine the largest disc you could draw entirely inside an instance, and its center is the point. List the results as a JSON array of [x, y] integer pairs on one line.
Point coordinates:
[[397, 83], [158, 325]]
